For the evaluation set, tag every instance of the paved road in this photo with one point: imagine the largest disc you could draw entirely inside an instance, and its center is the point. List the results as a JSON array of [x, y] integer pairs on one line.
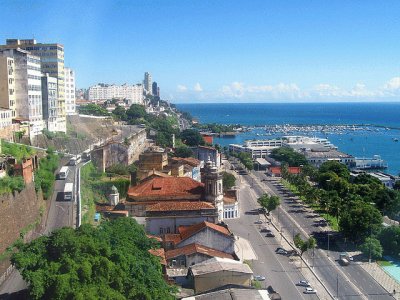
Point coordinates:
[[279, 272], [350, 282], [61, 213]]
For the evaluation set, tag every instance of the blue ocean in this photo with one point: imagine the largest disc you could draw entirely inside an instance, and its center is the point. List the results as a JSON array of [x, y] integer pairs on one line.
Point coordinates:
[[381, 124]]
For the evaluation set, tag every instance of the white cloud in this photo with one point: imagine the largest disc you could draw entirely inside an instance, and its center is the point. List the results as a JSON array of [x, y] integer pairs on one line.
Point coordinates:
[[392, 84], [241, 90], [197, 87], [181, 88]]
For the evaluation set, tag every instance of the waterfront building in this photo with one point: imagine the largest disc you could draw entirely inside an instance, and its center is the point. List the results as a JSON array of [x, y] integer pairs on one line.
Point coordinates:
[[258, 148], [386, 179], [52, 62], [317, 156], [205, 153], [28, 88], [7, 84], [70, 95], [147, 83], [102, 92], [305, 142], [49, 102]]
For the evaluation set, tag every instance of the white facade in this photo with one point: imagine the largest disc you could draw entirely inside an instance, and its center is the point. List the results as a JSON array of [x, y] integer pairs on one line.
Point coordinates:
[[257, 149], [69, 81], [28, 88], [7, 84], [132, 93], [49, 102], [5, 118]]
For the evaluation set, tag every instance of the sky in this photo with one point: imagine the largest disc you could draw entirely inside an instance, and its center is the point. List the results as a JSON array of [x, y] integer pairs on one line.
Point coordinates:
[[225, 50]]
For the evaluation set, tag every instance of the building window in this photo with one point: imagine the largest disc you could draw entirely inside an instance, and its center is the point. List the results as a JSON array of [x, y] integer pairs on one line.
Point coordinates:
[[161, 230]]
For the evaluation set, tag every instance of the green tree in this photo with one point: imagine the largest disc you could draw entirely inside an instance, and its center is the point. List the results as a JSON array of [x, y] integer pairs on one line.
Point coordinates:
[[108, 262], [136, 111], [371, 248], [289, 156], [268, 202], [359, 220], [93, 109], [389, 238], [183, 151], [191, 137], [228, 180], [304, 245], [334, 166]]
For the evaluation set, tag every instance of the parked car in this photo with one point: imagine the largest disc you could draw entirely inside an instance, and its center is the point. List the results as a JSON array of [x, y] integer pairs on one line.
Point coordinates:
[[265, 229], [258, 222], [304, 283], [270, 234], [278, 249], [262, 210], [259, 278], [282, 251], [310, 290]]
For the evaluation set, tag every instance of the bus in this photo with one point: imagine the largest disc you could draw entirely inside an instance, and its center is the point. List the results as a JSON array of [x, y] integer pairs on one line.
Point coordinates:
[[68, 190], [86, 155], [63, 173]]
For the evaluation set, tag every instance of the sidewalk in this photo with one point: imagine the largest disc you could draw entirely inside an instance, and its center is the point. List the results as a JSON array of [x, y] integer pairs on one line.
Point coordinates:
[[244, 250], [384, 279]]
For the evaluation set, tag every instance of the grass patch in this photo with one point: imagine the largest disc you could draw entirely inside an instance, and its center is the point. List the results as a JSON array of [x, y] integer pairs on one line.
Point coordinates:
[[95, 187], [384, 263]]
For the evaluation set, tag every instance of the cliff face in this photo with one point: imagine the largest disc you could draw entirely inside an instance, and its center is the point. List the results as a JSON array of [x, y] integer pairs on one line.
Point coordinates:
[[18, 212]]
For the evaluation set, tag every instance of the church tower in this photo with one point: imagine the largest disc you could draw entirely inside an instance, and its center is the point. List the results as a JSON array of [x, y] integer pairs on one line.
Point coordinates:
[[212, 179]]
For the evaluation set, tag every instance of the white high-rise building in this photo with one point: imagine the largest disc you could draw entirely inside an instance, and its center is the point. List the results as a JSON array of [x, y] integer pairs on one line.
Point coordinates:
[[147, 82], [28, 88], [7, 84], [132, 93], [69, 80]]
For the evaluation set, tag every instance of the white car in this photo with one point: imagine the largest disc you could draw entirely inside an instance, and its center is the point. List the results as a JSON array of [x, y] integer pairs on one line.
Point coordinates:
[[258, 222], [282, 251], [304, 283], [310, 290], [259, 278]]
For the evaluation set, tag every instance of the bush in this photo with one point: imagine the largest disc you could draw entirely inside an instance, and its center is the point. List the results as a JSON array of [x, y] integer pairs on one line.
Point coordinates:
[[11, 184]]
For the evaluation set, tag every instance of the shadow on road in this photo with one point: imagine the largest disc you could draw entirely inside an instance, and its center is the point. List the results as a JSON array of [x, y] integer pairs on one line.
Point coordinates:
[[20, 295]]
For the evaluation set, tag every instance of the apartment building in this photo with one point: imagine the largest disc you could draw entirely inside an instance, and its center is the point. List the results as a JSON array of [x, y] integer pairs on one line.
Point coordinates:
[[69, 80], [49, 101], [147, 82], [7, 84], [28, 88], [132, 93], [52, 62]]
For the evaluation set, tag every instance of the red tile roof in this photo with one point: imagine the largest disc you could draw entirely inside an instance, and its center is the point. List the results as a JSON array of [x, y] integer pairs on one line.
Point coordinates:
[[160, 253], [196, 248], [292, 170], [172, 237], [159, 187], [180, 205], [188, 231], [157, 238]]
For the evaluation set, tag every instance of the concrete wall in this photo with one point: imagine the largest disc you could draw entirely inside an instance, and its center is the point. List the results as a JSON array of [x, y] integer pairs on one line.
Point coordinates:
[[17, 212], [212, 239]]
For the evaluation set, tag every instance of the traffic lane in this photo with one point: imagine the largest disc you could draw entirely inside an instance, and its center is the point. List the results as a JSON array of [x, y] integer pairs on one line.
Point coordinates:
[[276, 268], [328, 271], [359, 276]]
